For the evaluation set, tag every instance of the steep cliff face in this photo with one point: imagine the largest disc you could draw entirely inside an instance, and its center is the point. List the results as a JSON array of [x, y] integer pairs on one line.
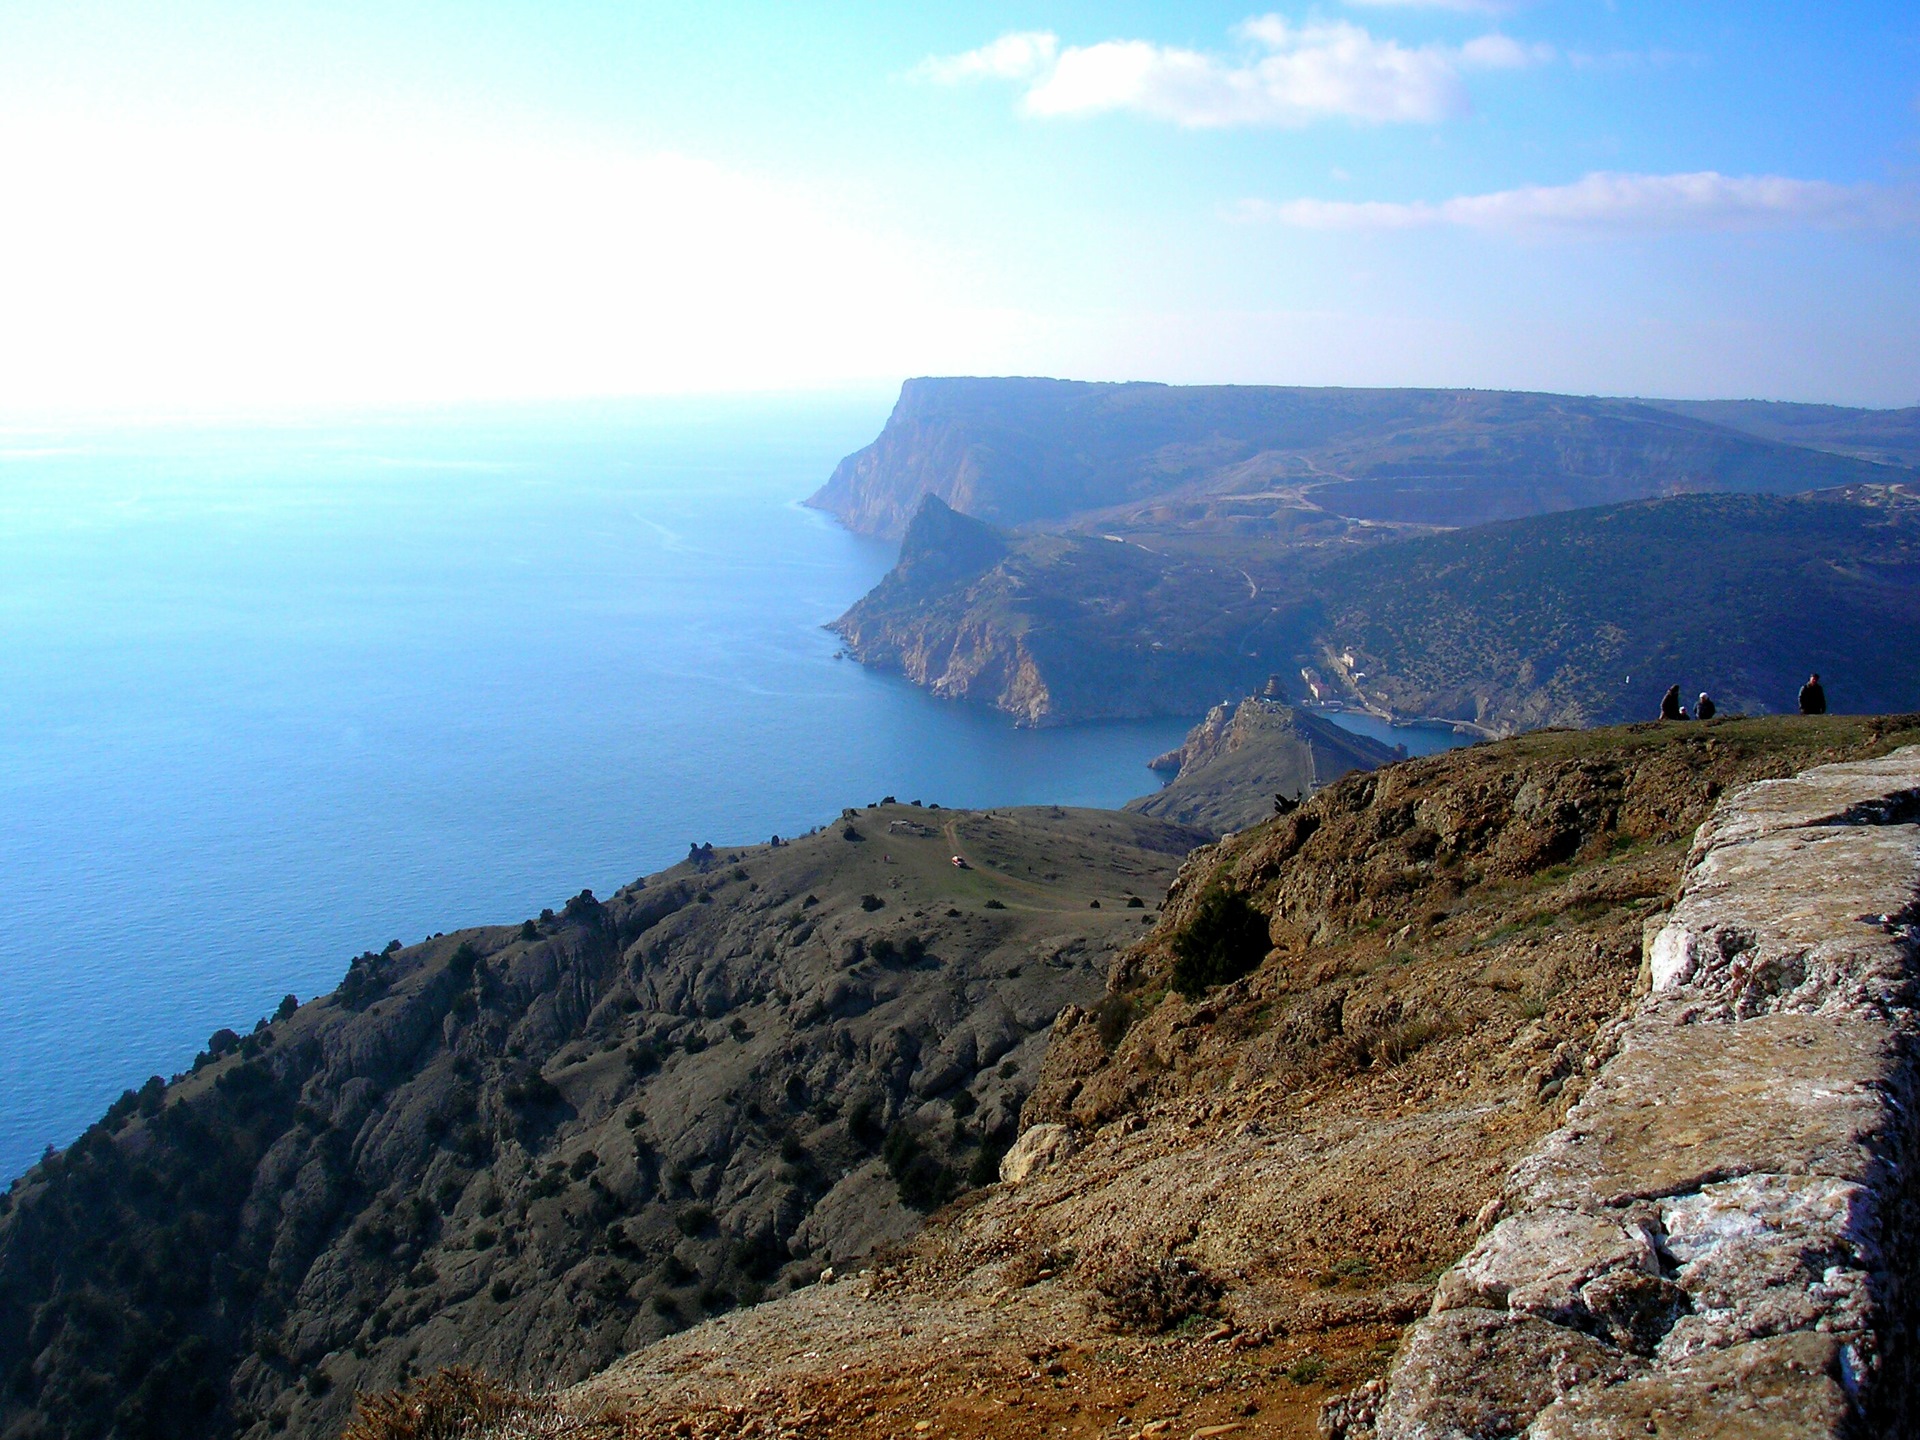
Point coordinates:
[[535, 1148], [1571, 619], [1015, 451], [1052, 629]]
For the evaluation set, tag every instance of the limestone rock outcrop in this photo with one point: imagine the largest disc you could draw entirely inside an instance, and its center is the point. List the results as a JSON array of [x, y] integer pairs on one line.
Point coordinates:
[[1720, 1239]]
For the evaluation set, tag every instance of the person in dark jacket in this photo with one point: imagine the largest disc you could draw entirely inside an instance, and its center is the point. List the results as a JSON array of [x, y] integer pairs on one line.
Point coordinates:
[[1670, 704], [1704, 708], [1813, 697]]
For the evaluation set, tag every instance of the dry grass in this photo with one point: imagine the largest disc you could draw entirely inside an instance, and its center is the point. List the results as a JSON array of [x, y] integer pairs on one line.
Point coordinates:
[[462, 1404]]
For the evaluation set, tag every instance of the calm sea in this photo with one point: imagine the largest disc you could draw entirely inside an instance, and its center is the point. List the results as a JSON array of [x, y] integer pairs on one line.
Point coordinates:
[[272, 696]]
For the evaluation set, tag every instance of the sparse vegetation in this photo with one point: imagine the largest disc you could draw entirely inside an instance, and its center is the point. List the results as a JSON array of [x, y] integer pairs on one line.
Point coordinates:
[[457, 1404], [1224, 939], [1153, 1294]]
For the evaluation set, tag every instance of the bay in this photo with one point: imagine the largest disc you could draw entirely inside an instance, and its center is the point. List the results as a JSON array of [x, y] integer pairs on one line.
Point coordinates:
[[277, 693]]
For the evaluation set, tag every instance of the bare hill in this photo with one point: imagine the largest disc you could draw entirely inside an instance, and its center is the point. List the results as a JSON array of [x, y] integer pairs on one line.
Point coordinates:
[[1886, 437]]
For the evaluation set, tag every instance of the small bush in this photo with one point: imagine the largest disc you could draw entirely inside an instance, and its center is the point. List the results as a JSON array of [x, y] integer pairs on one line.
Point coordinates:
[[994, 905], [1225, 939], [924, 1183], [1145, 1294], [871, 903], [529, 931], [1134, 902], [693, 1220], [501, 1290], [1112, 1018], [985, 1168], [462, 962]]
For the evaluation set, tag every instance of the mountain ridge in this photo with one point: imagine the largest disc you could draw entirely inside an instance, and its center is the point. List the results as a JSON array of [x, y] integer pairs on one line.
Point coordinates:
[[1026, 451]]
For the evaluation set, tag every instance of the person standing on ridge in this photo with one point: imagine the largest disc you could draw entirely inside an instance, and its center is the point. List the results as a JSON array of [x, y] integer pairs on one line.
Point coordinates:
[[1670, 704], [1813, 696], [1704, 708]]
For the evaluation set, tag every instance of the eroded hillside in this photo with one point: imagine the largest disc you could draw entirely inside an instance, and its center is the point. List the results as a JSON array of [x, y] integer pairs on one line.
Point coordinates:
[[1229, 1202], [536, 1148]]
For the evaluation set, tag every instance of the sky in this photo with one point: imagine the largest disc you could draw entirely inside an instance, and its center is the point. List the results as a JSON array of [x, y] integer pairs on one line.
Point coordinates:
[[211, 207]]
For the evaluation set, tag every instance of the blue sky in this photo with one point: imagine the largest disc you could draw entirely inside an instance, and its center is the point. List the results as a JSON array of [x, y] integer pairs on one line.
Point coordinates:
[[221, 206]]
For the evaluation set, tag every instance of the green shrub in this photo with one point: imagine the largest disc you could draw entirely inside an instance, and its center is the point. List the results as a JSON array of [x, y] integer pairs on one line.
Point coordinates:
[[924, 1183], [1112, 1017], [1225, 939], [693, 1219]]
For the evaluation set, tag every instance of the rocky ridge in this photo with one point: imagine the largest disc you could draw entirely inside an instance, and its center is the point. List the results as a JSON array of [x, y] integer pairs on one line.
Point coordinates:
[[1721, 1238], [1023, 451]]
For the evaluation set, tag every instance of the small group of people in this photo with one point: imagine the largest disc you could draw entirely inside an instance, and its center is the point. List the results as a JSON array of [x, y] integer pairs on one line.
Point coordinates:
[[1813, 701], [1672, 709]]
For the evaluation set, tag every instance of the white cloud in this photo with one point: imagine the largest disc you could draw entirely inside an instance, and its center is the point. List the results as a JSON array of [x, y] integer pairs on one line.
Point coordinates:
[[1289, 74], [1503, 52], [1016, 56], [1610, 202]]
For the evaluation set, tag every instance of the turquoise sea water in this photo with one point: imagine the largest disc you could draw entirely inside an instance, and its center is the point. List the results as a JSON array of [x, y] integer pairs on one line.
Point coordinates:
[[272, 696]]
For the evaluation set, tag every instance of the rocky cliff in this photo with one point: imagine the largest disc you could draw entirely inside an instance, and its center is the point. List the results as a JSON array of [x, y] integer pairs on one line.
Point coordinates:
[[1054, 629], [535, 1148], [1568, 619]]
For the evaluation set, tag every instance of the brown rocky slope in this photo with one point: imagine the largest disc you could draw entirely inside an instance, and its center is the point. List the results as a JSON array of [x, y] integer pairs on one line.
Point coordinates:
[[1228, 1203]]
